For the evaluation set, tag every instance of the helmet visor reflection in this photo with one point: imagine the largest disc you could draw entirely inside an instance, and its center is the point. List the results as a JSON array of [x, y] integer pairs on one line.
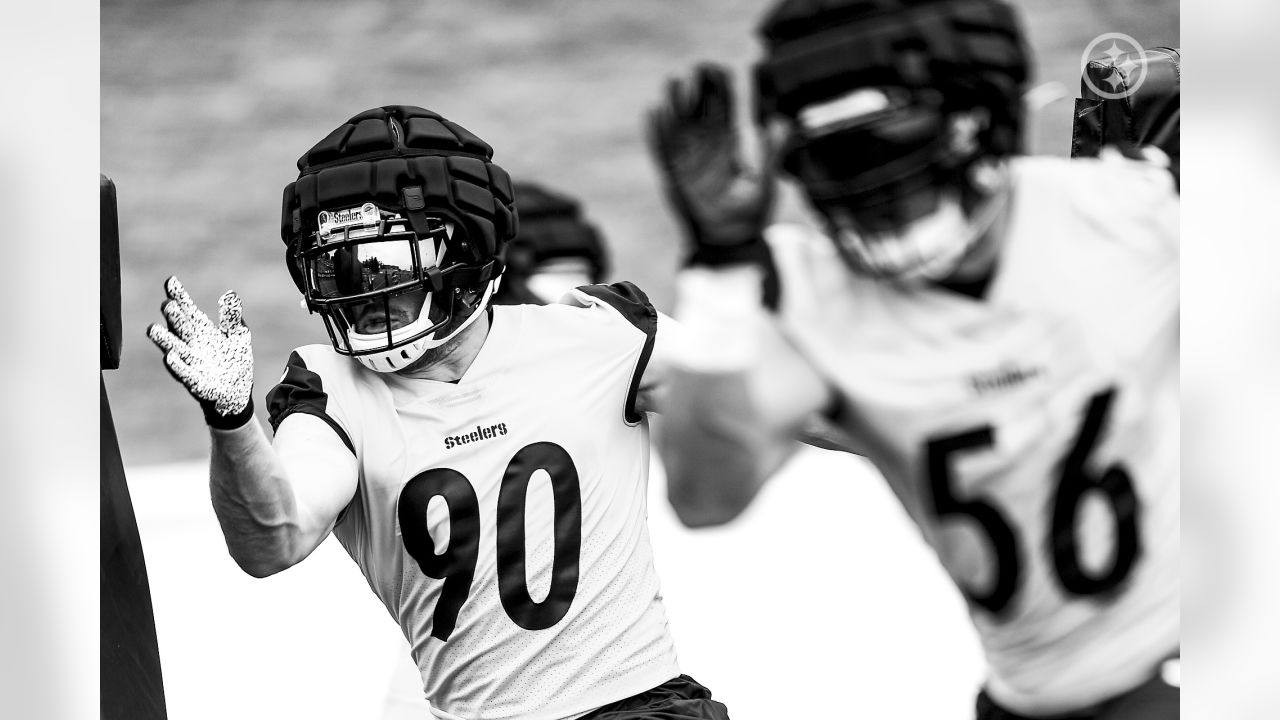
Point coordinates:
[[355, 268]]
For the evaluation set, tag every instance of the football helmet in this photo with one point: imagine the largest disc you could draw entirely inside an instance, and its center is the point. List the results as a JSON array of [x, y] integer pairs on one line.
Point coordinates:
[[394, 233], [894, 116], [555, 251]]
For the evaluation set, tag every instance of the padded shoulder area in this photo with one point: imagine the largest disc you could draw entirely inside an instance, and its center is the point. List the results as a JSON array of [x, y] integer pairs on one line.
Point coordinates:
[[309, 376]]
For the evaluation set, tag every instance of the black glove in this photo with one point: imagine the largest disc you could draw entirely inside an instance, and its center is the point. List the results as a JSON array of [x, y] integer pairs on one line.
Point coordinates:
[[723, 204], [214, 362]]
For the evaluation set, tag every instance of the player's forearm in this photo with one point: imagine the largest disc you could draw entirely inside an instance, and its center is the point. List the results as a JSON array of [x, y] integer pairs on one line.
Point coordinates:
[[720, 444], [717, 448], [254, 502]]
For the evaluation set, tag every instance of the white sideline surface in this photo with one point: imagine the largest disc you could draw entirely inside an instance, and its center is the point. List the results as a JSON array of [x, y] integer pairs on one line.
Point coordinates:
[[822, 601]]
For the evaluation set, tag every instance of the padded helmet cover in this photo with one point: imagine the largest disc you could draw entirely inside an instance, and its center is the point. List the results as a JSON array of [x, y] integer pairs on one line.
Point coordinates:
[[552, 226], [408, 160], [971, 51]]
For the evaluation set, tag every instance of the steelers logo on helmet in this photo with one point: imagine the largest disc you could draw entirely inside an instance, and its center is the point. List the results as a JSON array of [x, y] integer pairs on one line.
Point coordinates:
[[894, 115], [394, 232]]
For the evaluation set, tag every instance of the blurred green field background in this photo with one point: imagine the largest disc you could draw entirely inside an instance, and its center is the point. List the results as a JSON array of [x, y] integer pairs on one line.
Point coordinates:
[[207, 105]]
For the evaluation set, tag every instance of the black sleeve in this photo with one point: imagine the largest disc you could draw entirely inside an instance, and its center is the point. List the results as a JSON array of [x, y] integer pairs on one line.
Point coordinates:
[[301, 391], [631, 302]]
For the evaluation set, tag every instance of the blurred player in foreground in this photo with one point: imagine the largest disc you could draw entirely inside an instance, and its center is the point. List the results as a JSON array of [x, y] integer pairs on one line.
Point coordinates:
[[484, 466], [998, 334], [555, 251]]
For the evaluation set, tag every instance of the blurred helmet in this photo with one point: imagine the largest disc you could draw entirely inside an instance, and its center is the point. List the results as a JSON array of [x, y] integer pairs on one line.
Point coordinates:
[[555, 251], [893, 115], [394, 232]]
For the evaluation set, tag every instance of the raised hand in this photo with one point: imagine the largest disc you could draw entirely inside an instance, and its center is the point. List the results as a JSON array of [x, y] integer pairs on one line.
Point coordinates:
[[214, 362], [723, 204]]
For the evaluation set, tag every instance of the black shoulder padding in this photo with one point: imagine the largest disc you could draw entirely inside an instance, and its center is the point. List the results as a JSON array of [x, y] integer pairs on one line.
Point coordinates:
[[628, 300], [302, 391], [631, 302]]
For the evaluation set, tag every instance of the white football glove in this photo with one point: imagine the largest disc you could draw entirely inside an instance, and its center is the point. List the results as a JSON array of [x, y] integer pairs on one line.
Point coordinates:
[[214, 362]]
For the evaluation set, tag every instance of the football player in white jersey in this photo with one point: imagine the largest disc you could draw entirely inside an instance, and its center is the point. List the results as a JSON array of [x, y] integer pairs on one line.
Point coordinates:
[[555, 251], [997, 334], [484, 466]]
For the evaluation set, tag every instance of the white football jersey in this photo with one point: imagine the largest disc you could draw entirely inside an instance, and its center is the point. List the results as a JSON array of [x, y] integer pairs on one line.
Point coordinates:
[[1032, 434], [502, 519]]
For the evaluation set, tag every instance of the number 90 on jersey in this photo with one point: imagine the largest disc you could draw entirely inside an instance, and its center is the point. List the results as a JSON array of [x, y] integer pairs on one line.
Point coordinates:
[[457, 564]]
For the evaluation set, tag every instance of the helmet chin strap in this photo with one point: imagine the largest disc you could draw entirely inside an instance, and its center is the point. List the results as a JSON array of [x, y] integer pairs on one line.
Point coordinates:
[[476, 311]]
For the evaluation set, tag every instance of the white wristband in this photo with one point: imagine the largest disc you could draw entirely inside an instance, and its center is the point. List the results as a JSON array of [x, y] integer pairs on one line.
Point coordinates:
[[723, 313]]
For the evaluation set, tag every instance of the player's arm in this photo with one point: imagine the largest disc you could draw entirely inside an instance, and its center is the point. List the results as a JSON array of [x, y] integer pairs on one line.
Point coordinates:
[[738, 392], [739, 396], [275, 504], [672, 345]]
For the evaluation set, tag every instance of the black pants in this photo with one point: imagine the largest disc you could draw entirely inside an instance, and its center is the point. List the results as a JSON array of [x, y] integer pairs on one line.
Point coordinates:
[[680, 698], [1152, 700]]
